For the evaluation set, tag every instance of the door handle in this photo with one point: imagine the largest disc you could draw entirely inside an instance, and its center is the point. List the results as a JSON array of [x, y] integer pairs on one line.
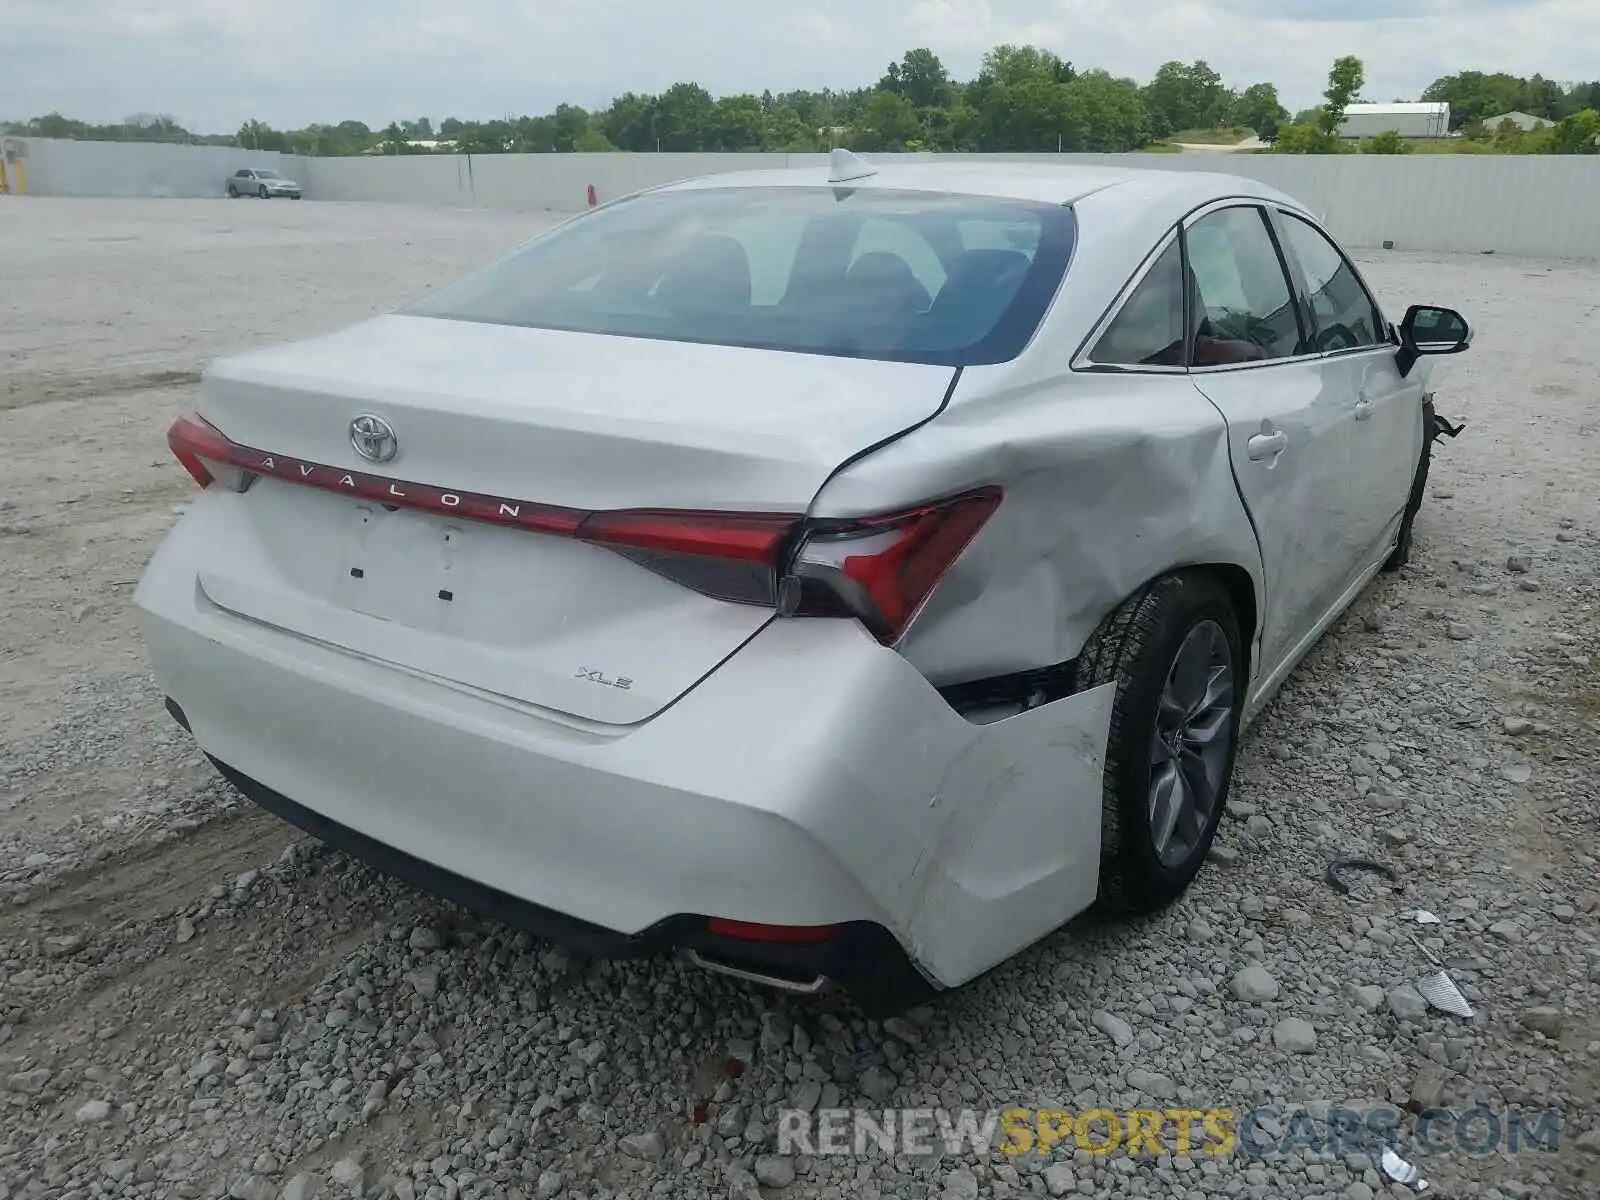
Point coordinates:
[[1264, 446], [1363, 408]]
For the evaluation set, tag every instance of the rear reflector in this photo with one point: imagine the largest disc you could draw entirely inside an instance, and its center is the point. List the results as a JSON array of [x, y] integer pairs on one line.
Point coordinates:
[[882, 569], [751, 931]]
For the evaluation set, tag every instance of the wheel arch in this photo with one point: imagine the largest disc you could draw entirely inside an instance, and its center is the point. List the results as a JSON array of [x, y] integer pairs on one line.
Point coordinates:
[[1241, 589]]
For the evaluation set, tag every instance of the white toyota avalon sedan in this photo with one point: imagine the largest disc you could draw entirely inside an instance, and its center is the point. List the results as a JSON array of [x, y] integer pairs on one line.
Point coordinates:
[[845, 574]]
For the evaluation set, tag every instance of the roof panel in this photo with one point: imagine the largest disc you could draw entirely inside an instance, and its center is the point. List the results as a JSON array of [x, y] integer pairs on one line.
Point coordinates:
[[1044, 182]]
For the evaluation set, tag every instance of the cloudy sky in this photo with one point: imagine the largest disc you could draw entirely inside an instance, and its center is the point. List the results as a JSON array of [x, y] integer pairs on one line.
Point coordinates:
[[214, 63]]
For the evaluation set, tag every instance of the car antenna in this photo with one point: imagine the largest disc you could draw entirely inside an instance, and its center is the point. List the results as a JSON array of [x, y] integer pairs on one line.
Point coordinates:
[[844, 166]]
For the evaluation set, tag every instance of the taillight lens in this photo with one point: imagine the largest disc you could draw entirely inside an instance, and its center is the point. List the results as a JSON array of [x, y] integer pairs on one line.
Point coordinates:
[[882, 569], [207, 455], [729, 556]]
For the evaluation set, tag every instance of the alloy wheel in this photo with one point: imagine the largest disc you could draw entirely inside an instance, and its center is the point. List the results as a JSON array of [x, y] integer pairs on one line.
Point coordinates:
[[1189, 752]]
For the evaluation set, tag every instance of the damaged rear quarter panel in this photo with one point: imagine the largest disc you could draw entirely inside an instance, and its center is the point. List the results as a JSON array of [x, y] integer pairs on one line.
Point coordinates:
[[1018, 851], [1110, 480]]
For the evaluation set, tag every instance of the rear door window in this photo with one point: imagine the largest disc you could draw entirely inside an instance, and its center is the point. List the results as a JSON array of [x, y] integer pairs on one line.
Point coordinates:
[[1244, 309]]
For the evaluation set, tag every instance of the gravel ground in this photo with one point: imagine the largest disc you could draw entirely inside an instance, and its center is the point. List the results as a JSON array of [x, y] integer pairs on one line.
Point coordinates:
[[195, 1001]]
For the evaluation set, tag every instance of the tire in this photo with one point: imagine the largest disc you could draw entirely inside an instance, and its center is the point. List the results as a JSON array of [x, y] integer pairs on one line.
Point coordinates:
[[1401, 554], [294, 196], [1137, 648], [233, 192], [264, 194]]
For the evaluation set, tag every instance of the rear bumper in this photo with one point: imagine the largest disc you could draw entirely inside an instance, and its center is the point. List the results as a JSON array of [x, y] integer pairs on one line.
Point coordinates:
[[861, 956], [814, 778]]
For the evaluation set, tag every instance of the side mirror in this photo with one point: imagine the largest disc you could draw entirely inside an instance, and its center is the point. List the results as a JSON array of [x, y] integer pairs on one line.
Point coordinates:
[[1429, 329]]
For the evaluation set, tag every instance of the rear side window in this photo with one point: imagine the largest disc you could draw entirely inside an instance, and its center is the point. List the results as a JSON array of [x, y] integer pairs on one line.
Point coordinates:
[[858, 272], [1346, 314], [1148, 330]]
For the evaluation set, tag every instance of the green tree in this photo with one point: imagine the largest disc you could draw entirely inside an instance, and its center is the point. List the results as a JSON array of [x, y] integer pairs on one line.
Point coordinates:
[[1581, 96], [630, 122], [1345, 78], [1187, 96], [592, 141], [393, 141], [1541, 97], [1304, 137], [736, 123], [920, 77], [257, 135], [493, 137], [1258, 108], [1574, 134], [567, 124], [1476, 96], [684, 111], [1018, 100], [889, 123], [54, 125], [1387, 142], [1104, 114], [1317, 132], [786, 131], [1510, 138]]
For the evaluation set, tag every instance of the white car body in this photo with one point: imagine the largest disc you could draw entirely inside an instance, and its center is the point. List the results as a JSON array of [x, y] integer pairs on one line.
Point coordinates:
[[411, 656]]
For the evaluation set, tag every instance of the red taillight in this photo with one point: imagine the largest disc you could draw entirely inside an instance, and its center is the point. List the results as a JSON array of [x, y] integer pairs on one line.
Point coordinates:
[[206, 454], [753, 931], [750, 537], [882, 569], [730, 556]]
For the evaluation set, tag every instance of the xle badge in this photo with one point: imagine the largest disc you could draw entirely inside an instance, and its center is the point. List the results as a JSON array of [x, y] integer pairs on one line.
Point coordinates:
[[602, 679]]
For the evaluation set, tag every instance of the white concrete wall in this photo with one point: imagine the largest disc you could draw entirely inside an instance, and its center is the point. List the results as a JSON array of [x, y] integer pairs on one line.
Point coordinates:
[[59, 167], [555, 182], [1542, 206]]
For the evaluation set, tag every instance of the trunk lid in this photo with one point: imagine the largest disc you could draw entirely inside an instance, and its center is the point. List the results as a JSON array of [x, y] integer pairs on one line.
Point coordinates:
[[582, 421]]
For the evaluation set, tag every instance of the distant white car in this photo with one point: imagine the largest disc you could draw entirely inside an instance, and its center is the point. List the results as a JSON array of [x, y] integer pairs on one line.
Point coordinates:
[[262, 183], [830, 574]]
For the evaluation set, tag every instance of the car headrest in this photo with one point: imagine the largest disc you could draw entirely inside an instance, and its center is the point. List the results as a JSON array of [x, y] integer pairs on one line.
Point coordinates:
[[885, 282], [712, 271], [981, 284]]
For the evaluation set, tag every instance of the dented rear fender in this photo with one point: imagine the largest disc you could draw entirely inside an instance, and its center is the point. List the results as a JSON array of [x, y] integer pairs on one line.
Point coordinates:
[[1110, 481]]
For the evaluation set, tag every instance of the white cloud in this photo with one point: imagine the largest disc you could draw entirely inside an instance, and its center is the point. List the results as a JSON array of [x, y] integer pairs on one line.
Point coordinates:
[[213, 63]]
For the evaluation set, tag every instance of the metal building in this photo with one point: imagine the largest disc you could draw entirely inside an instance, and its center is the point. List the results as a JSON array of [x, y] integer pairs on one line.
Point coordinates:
[[1425, 119]]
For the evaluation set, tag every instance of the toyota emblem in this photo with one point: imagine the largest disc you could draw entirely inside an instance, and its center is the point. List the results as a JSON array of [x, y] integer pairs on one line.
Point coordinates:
[[373, 439]]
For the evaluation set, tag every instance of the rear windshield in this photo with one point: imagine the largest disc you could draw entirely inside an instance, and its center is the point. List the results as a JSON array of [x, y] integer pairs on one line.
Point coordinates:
[[908, 276]]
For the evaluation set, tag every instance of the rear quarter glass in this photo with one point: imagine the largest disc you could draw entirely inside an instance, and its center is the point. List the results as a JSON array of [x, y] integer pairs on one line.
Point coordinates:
[[920, 277]]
